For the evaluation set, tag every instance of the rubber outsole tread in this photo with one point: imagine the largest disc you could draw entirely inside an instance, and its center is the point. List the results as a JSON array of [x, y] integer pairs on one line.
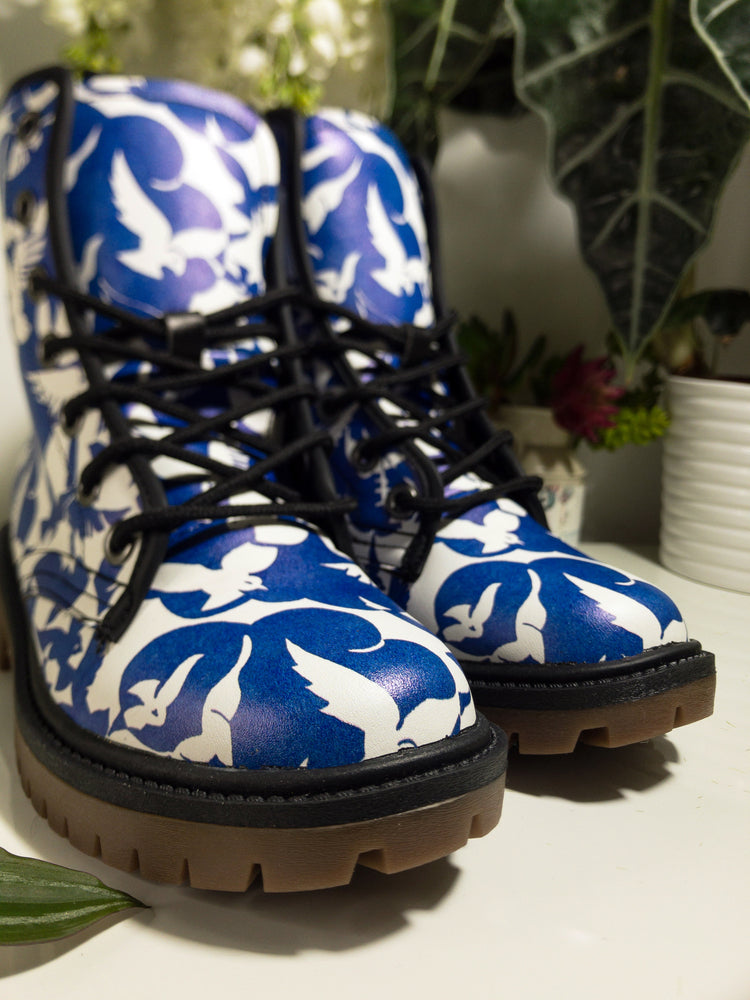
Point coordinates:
[[547, 731], [207, 856], [218, 850]]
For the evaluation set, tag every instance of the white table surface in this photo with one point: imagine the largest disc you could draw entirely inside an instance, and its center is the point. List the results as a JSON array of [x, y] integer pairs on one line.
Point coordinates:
[[615, 874]]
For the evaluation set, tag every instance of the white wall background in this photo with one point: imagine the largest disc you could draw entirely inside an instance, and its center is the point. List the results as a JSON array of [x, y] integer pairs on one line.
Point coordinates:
[[508, 241]]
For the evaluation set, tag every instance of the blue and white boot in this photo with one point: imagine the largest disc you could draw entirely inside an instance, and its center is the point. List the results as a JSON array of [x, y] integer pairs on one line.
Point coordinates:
[[557, 646], [206, 686]]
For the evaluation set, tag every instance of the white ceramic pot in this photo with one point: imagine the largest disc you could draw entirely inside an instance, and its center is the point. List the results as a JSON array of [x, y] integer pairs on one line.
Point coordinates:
[[544, 450], [705, 519]]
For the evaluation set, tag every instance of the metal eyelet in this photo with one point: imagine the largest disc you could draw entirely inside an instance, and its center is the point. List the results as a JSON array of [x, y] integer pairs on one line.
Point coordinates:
[[70, 428], [87, 498], [35, 293], [117, 556], [360, 459], [42, 351], [24, 207], [394, 500], [28, 126]]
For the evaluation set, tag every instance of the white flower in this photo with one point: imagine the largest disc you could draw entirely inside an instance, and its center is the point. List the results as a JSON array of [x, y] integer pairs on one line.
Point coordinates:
[[326, 15], [67, 14], [282, 24], [264, 51], [73, 15], [253, 61], [324, 45], [297, 63]]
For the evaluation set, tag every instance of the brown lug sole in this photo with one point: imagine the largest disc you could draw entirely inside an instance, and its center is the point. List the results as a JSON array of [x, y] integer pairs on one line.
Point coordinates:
[[549, 731], [229, 858]]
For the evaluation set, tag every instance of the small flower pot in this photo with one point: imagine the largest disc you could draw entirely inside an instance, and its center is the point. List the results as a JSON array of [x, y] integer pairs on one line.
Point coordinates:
[[705, 517], [544, 449]]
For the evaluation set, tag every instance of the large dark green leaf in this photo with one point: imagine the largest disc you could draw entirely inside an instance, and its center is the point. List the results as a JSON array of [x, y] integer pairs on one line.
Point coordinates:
[[645, 128], [440, 46], [725, 27], [41, 902]]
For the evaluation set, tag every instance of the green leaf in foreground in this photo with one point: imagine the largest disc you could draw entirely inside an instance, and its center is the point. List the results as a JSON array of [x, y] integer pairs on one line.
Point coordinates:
[[645, 127], [40, 901], [725, 27]]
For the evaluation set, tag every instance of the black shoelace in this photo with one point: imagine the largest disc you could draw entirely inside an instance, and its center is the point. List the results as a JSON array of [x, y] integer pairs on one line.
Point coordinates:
[[172, 346], [415, 384]]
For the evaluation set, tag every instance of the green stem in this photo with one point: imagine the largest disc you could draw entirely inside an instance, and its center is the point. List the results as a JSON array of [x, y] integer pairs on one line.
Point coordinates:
[[661, 16], [441, 43]]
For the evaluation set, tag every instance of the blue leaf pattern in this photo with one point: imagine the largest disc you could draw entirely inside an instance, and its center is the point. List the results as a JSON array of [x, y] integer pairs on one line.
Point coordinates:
[[255, 646], [496, 586]]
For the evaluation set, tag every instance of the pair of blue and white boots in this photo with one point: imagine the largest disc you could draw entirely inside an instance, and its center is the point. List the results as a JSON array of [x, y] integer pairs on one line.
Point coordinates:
[[266, 553]]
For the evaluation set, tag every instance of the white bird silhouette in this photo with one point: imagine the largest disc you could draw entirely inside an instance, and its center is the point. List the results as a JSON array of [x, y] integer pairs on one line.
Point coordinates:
[[471, 622], [6, 120], [401, 273], [219, 708], [109, 85], [156, 696], [360, 702], [246, 252], [53, 387], [530, 620], [349, 569], [220, 295], [257, 155], [89, 266], [236, 577], [631, 615], [424, 317], [333, 285], [496, 532], [313, 157], [76, 159], [26, 248], [361, 129], [326, 196], [160, 248], [203, 166]]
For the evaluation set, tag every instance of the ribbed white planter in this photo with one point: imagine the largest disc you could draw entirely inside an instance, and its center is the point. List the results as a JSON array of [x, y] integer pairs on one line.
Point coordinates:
[[705, 520]]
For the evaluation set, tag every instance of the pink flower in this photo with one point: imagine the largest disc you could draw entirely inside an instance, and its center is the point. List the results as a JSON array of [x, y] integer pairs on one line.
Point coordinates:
[[582, 397]]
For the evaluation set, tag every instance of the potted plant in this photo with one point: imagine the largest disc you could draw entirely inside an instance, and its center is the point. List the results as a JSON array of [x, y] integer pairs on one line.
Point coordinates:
[[705, 526], [551, 402], [647, 112], [667, 94]]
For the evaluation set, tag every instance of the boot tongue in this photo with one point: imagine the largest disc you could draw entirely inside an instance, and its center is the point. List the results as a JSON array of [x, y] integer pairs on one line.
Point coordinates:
[[172, 195], [364, 220]]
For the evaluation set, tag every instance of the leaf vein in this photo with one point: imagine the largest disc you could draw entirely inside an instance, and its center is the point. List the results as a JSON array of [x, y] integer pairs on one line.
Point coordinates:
[[554, 66], [719, 10], [600, 139], [726, 98]]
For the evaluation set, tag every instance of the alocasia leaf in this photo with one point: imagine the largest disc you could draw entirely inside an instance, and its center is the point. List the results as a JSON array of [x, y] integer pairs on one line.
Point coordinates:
[[645, 128], [439, 46], [725, 27], [40, 901]]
